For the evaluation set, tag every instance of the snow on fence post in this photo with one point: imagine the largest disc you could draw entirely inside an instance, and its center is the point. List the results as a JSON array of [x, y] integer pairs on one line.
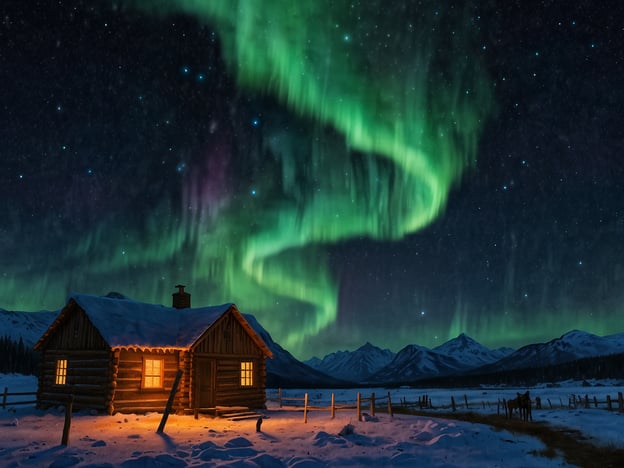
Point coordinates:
[[305, 408], [4, 397], [372, 407], [68, 414], [333, 407], [359, 406], [389, 405]]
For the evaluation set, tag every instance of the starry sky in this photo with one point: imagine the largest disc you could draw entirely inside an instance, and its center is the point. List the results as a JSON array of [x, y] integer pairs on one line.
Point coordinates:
[[391, 172]]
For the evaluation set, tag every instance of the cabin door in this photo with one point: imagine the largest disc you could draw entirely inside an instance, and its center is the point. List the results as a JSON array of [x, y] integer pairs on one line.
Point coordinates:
[[205, 383]]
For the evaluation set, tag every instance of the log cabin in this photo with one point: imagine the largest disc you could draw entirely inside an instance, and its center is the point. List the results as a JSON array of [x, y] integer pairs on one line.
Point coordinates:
[[114, 354]]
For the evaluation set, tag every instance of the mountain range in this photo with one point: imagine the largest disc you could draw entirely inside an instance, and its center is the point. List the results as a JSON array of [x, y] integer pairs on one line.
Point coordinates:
[[370, 365]]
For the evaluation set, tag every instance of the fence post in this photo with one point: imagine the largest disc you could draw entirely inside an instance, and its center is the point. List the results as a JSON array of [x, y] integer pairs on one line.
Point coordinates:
[[174, 389], [305, 409], [595, 402], [389, 405], [621, 402], [466, 400], [453, 403], [372, 408], [279, 396], [4, 397], [359, 406], [609, 407], [333, 407], [68, 414]]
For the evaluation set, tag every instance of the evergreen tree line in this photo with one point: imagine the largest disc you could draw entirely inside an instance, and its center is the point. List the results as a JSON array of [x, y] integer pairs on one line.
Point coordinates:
[[17, 358], [600, 367]]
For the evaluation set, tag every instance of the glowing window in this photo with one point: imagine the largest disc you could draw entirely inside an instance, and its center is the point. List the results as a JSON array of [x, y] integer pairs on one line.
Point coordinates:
[[152, 373], [61, 372], [246, 374]]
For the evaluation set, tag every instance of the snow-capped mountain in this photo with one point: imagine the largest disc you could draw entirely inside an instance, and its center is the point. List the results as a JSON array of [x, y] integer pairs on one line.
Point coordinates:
[[372, 365], [417, 362], [571, 346], [284, 370], [356, 366], [29, 326], [470, 352]]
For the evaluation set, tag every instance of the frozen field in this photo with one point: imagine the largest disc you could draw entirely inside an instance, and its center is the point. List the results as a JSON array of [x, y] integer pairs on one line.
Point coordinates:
[[29, 437]]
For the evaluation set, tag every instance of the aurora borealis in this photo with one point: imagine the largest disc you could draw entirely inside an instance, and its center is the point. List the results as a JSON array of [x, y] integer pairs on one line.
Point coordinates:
[[345, 171]]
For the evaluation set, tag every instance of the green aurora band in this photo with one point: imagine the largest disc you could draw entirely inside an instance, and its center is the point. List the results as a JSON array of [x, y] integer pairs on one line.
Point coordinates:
[[408, 104], [395, 109]]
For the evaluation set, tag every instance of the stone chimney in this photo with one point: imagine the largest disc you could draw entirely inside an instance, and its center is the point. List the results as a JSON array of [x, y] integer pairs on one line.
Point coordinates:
[[181, 299]]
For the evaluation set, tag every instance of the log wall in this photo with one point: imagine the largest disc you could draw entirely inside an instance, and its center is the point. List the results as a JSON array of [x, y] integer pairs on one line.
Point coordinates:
[[228, 343], [87, 379], [130, 394], [88, 365]]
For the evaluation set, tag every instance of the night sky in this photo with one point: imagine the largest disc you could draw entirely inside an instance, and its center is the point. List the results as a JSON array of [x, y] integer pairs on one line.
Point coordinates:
[[377, 171]]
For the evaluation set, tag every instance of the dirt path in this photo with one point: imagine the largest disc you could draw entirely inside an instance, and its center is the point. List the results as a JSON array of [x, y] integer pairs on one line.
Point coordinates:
[[571, 444]]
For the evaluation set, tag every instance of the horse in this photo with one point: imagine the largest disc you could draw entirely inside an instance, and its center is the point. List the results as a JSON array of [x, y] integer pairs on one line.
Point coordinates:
[[522, 403]]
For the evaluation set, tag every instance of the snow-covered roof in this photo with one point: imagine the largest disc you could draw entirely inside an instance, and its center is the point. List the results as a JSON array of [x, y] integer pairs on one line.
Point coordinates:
[[125, 323]]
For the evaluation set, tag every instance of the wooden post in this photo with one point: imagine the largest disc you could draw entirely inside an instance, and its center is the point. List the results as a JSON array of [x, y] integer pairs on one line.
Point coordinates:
[[389, 405], [466, 400], [279, 396], [621, 402], [305, 408], [68, 414], [609, 407], [453, 403], [372, 407], [4, 397], [359, 406], [586, 401], [498, 407], [549, 403], [595, 402], [333, 407], [174, 389]]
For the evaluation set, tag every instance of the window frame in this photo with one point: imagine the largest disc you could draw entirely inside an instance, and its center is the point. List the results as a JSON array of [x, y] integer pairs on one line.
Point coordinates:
[[60, 372], [247, 374], [152, 374]]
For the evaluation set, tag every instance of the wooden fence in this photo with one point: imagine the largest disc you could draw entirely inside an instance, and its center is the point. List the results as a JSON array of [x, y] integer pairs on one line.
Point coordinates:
[[574, 401], [372, 403], [6, 395]]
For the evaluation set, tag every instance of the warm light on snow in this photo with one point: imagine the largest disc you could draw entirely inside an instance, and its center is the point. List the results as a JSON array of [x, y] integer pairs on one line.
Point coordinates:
[[32, 437]]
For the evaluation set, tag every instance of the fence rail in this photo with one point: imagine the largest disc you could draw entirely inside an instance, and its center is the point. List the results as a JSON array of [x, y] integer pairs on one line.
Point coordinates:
[[610, 403], [370, 402], [6, 395]]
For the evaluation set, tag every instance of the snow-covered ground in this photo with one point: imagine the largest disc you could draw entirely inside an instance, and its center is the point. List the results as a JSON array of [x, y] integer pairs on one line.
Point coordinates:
[[29, 437]]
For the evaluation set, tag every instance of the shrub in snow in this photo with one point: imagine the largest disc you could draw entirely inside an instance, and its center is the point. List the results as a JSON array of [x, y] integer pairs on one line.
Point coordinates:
[[347, 430]]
